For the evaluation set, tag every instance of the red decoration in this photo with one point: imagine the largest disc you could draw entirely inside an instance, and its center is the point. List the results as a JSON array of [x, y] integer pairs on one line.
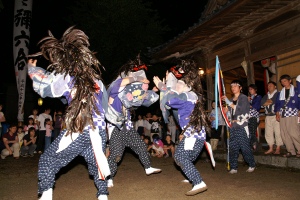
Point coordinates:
[[137, 68], [265, 62], [175, 72]]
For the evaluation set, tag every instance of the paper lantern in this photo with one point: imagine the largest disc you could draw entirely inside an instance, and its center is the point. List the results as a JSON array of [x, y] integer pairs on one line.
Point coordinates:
[[201, 71], [40, 101]]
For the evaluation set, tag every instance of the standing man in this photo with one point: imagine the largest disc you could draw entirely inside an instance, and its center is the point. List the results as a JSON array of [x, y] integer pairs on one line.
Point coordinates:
[[287, 108], [239, 140], [271, 125], [42, 129], [11, 143]]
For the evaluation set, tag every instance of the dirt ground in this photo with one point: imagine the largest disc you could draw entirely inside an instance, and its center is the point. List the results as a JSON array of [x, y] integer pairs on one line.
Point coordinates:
[[18, 179]]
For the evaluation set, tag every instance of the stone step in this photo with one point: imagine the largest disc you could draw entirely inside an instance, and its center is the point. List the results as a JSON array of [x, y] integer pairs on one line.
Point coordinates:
[[270, 160]]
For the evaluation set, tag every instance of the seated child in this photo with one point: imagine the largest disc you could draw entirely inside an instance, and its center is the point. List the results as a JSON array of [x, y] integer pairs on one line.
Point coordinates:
[[29, 143], [158, 148], [169, 147], [149, 145]]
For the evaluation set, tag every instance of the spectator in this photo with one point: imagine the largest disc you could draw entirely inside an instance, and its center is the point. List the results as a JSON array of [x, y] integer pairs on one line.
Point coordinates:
[[20, 134], [11, 143], [58, 123], [215, 134], [169, 147], [155, 126], [287, 108], [35, 117], [239, 135], [158, 148], [254, 100], [172, 127], [49, 128], [139, 125], [271, 125], [29, 143], [42, 129], [147, 125], [30, 125], [163, 129], [149, 145], [2, 119], [178, 132], [180, 137]]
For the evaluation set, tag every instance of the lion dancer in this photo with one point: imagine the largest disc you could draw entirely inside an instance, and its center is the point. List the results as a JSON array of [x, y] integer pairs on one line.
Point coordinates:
[[75, 77], [130, 89], [186, 97]]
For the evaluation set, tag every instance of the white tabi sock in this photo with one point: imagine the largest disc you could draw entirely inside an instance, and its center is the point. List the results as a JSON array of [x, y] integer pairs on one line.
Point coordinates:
[[47, 195]]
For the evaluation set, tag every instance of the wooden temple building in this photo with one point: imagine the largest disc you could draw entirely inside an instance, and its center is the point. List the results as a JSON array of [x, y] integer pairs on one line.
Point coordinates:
[[261, 35]]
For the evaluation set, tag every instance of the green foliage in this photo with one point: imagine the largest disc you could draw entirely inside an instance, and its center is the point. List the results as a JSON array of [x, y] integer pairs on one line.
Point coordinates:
[[118, 29]]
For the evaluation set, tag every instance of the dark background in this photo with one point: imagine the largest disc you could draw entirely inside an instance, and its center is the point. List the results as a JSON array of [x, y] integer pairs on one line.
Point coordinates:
[[174, 17]]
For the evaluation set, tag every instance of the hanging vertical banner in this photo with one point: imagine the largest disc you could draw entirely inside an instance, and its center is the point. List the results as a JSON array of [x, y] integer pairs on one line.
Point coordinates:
[[22, 22]]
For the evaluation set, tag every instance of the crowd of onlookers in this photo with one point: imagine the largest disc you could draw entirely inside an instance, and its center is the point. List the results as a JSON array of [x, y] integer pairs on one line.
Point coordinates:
[[159, 137], [281, 126], [282, 118], [34, 136], [39, 130]]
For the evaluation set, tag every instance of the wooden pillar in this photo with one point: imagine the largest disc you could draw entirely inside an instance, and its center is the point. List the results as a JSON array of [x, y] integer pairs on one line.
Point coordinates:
[[209, 77], [210, 89], [250, 74]]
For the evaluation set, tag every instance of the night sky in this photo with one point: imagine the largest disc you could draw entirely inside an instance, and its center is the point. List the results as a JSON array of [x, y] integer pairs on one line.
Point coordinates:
[[178, 15]]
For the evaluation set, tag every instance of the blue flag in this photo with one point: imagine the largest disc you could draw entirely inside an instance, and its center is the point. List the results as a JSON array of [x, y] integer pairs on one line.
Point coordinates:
[[216, 91]]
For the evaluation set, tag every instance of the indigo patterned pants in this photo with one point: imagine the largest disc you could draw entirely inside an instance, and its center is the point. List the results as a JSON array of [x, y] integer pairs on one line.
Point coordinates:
[[51, 162], [239, 141], [126, 138], [184, 159], [252, 125]]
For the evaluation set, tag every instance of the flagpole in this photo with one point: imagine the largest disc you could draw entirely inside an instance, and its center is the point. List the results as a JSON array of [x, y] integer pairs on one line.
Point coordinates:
[[227, 129], [221, 90], [216, 92]]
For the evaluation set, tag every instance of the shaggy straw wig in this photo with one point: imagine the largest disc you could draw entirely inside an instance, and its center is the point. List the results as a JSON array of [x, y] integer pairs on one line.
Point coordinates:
[[71, 56], [192, 79]]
